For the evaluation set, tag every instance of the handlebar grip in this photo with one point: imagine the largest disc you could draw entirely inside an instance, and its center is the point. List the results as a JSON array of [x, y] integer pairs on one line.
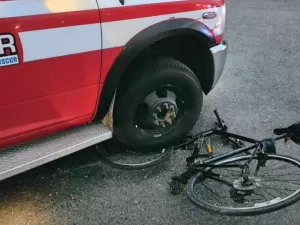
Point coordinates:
[[277, 131]]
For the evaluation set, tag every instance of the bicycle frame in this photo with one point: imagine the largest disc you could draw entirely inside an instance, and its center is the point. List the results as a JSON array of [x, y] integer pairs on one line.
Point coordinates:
[[246, 181], [211, 162], [225, 134]]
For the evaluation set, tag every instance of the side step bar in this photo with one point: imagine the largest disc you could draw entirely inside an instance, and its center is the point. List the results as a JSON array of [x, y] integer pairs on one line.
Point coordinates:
[[30, 155]]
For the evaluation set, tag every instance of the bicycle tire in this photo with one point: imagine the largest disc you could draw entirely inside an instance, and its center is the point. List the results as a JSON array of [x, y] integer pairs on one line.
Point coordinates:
[[290, 200], [138, 166]]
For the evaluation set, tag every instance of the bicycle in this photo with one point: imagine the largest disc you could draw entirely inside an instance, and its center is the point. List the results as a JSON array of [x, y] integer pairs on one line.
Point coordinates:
[[249, 181]]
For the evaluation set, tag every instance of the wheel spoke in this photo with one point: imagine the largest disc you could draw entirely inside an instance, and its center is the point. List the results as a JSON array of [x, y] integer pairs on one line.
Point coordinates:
[[263, 193]]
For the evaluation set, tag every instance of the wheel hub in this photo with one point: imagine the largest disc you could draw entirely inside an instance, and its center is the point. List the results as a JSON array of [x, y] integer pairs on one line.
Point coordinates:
[[162, 110], [253, 183]]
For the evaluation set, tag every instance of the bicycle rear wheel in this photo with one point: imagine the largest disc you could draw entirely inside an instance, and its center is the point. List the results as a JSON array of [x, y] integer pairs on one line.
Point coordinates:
[[261, 195]]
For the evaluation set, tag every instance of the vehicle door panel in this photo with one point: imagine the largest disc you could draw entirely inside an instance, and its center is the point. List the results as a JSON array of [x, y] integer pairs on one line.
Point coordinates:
[[56, 79]]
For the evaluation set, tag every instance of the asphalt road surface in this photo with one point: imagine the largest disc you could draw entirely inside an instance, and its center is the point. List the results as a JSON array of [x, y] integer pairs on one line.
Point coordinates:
[[259, 90]]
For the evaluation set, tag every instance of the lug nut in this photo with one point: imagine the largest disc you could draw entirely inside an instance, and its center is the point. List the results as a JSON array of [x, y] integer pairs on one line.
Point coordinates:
[[156, 122], [166, 105], [155, 115], [172, 115], [172, 108], [158, 109], [163, 124], [169, 121]]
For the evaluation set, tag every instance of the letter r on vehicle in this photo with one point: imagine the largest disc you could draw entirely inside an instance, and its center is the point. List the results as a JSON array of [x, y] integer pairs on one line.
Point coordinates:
[[7, 45]]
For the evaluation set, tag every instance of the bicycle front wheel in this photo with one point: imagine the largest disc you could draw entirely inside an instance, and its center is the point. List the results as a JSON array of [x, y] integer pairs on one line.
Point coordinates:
[[273, 184]]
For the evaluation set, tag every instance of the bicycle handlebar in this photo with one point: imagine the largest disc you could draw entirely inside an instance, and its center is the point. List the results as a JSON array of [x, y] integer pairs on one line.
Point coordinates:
[[221, 123], [218, 117]]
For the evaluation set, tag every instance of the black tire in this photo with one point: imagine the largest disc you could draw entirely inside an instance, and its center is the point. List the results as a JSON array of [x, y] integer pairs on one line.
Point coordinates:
[[242, 211], [144, 79]]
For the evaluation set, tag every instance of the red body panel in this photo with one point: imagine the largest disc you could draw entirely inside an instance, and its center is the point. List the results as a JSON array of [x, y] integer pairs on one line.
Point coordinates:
[[45, 96], [55, 20], [42, 132], [109, 56]]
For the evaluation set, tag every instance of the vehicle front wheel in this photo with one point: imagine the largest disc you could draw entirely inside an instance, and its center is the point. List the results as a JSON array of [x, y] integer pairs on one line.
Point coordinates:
[[158, 105]]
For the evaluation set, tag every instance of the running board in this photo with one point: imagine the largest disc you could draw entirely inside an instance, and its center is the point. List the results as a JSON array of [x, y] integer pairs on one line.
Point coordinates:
[[33, 154]]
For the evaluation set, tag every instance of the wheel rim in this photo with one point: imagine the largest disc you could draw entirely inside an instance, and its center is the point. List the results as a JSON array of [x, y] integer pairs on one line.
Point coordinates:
[[159, 111], [269, 205]]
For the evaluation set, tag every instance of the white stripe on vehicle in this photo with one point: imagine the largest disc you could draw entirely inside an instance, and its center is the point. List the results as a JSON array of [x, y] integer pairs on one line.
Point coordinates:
[[118, 33], [49, 43]]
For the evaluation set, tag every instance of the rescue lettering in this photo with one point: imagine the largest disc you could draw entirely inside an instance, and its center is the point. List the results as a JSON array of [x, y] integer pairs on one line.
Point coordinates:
[[9, 60], [8, 50]]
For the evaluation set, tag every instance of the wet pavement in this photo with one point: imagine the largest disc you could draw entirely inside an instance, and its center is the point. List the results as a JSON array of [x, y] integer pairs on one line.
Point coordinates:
[[258, 91]]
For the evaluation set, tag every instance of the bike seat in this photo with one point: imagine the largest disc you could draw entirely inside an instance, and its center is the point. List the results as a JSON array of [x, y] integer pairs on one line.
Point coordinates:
[[288, 130]]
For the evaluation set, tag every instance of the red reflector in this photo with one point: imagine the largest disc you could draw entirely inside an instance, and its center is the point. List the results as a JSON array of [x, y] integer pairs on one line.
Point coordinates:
[[219, 39]]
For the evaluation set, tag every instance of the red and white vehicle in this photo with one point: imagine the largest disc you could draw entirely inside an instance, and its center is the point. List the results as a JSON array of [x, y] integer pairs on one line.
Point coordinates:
[[67, 65]]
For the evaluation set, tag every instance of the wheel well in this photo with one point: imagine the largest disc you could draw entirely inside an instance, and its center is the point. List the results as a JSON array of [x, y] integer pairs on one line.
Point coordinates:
[[189, 48], [186, 48]]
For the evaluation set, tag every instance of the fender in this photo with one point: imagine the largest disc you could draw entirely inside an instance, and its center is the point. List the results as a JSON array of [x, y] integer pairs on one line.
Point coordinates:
[[140, 42]]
